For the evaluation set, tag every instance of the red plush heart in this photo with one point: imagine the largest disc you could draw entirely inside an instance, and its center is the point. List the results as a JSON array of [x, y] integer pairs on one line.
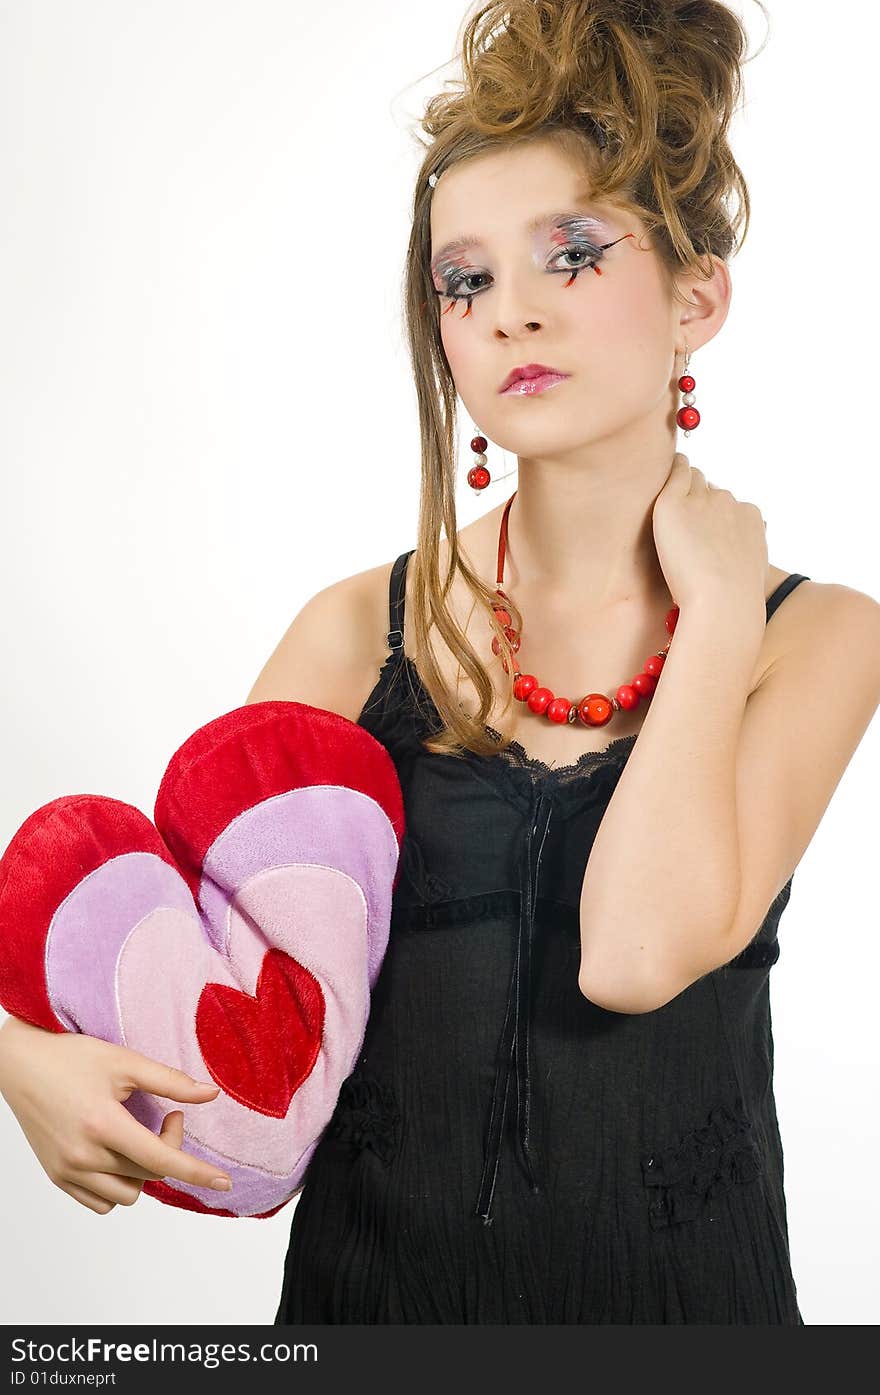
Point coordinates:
[[238, 937], [260, 1049]]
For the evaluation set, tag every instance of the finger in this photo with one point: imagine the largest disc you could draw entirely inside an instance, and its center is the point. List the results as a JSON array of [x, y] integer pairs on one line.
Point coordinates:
[[171, 1133], [123, 1190], [172, 1128], [118, 1163], [108, 1187], [149, 1151], [679, 473], [109, 1159], [139, 1072], [87, 1198]]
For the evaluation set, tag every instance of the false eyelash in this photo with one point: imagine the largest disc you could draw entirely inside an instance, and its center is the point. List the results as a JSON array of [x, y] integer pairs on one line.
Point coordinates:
[[575, 272]]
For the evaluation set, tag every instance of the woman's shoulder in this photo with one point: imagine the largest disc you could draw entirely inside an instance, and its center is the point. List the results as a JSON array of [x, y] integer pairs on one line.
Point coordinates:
[[331, 651], [808, 609]]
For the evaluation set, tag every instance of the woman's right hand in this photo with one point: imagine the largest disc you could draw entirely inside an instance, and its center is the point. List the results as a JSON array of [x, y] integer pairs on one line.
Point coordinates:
[[66, 1090]]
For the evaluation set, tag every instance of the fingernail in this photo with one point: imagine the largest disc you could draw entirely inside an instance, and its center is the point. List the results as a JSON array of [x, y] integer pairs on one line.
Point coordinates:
[[222, 1184]]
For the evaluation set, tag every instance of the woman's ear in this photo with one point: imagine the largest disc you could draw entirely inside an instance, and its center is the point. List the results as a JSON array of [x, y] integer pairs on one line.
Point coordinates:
[[708, 303]]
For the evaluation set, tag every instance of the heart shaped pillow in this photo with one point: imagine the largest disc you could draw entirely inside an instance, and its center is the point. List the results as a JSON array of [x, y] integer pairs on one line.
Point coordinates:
[[240, 934]]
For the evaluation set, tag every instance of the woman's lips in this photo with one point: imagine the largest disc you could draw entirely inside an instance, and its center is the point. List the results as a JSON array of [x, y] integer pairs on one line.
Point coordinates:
[[525, 387]]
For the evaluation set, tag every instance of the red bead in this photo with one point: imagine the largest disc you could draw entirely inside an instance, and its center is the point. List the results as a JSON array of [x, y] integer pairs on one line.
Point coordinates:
[[539, 699], [478, 477], [595, 710], [688, 418], [627, 697], [557, 710], [478, 443], [524, 685], [686, 383]]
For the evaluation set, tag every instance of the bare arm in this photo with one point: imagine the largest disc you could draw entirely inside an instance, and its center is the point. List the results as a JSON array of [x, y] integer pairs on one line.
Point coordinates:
[[663, 873], [721, 797]]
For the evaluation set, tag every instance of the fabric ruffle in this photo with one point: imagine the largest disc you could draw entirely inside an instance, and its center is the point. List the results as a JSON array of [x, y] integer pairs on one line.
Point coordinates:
[[590, 780], [720, 1154], [366, 1116]]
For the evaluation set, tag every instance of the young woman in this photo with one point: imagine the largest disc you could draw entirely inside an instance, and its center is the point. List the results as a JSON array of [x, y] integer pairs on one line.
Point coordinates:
[[612, 763]]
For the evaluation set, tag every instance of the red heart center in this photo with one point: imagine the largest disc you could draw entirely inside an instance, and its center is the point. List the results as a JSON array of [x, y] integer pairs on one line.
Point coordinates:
[[261, 1049]]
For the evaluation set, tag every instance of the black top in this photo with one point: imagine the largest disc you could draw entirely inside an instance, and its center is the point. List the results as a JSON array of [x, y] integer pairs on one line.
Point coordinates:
[[505, 1151]]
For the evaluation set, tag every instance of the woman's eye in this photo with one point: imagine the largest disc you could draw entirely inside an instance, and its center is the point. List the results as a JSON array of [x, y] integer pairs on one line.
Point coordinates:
[[459, 283], [587, 251], [580, 254]]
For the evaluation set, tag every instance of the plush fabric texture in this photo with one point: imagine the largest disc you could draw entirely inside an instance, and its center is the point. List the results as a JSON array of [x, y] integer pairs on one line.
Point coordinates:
[[237, 937]]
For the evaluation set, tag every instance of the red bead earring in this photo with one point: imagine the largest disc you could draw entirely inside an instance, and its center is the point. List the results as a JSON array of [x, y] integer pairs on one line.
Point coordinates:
[[478, 476], [687, 416]]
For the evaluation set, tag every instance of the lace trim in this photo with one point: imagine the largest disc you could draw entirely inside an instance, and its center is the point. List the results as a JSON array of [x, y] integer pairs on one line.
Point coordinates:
[[366, 1116], [681, 1179], [562, 774], [515, 753]]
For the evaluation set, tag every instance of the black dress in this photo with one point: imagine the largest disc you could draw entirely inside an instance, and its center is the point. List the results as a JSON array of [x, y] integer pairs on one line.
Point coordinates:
[[505, 1151]]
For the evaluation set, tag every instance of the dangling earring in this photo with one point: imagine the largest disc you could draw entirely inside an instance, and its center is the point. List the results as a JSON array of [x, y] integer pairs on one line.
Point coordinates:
[[478, 476], [687, 416]]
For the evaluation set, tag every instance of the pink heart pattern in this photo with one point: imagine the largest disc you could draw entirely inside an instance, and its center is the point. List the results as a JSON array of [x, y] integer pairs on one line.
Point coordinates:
[[238, 937]]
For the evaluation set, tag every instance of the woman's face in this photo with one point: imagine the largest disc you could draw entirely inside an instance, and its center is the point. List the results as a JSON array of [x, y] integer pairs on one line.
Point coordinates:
[[523, 227]]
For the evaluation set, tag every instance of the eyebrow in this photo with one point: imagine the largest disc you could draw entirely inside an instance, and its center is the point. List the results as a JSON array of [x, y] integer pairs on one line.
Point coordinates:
[[533, 225]]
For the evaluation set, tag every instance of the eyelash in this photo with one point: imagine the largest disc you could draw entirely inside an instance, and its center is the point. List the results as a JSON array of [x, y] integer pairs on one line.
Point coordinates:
[[596, 255]]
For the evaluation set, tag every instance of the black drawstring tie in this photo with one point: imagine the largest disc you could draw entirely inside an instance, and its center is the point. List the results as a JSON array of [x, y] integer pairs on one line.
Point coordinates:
[[513, 1047]]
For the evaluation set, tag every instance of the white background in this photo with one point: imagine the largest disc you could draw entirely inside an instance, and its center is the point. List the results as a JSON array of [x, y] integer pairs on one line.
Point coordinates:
[[208, 415]]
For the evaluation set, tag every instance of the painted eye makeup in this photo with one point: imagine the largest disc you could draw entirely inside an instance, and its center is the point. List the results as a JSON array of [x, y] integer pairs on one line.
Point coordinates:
[[457, 282]]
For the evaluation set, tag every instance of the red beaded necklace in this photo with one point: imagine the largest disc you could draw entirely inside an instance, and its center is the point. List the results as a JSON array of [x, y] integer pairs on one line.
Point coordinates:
[[595, 709]]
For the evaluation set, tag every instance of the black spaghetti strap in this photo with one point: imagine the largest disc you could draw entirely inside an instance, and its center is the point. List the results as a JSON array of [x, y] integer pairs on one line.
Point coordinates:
[[397, 602], [782, 590]]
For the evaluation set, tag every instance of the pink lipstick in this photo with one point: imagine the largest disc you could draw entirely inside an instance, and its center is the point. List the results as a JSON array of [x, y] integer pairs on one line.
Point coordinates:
[[531, 378], [526, 387]]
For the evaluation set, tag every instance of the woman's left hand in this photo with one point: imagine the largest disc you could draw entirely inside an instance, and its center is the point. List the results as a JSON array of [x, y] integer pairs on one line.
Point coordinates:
[[708, 542]]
